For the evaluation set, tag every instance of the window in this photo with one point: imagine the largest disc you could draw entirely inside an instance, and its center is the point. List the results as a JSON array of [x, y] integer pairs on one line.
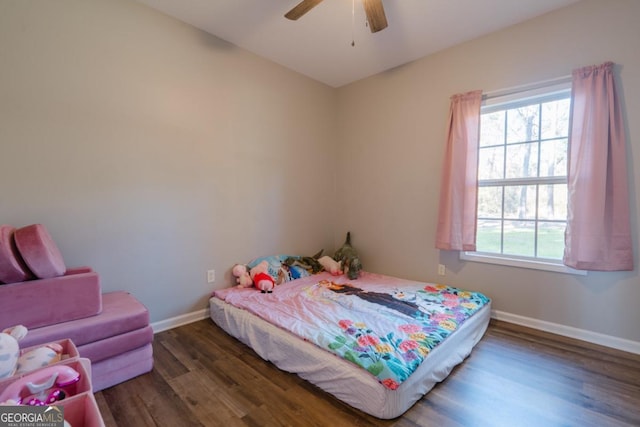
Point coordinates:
[[522, 178]]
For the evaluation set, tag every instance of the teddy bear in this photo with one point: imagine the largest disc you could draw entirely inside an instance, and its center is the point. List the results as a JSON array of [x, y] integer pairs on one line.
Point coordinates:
[[261, 278], [243, 279]]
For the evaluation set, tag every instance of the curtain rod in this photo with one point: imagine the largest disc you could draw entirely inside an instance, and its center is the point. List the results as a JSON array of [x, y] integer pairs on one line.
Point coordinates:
[[523, 88]]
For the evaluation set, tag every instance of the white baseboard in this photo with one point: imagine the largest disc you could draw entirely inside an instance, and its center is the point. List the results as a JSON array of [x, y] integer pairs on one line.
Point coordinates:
[[569, 331], [181, 320], [554, 328]]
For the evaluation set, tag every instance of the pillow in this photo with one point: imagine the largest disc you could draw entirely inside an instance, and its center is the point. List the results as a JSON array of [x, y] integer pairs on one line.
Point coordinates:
[[280, 273], [39, 251], [12, 266]]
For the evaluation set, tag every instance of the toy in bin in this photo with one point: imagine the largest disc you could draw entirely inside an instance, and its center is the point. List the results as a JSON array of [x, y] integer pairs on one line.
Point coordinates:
[[43, 387], [14, 363]]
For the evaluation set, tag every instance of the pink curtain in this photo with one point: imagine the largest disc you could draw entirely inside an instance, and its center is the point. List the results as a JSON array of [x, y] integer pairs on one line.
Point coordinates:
[[459, 187], [598, 234]]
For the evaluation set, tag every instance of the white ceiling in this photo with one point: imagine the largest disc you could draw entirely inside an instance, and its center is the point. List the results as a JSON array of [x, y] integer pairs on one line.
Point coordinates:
[[319, 44]]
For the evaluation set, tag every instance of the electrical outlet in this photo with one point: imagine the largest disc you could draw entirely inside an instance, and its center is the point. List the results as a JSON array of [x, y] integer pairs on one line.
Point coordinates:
[[211, 276], [442, 270]]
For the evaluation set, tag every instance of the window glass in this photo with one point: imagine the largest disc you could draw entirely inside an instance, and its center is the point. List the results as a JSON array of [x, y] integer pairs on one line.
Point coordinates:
[[522, 177], [519, 238], [522, 160], [555, 118], [522, 124], [492, 128], [552, 202], [553, 157], [520, 202], [491, 163]]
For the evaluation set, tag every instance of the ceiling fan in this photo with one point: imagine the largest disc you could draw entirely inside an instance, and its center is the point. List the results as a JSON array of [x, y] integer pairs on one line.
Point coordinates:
[[372, 8]]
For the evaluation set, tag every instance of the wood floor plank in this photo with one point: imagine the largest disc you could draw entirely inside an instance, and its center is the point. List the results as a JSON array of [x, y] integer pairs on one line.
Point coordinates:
[[204, 401], [105, 410], [515, 377], [166, 362]]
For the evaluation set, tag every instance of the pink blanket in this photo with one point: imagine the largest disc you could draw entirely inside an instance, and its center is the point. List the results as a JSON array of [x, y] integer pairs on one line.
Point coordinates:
[[383, 324]]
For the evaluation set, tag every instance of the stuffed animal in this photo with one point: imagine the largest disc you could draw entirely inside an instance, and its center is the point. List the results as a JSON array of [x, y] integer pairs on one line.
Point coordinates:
[[12, 363], [39, 358], [10, 350], [351, 265], [330, 265], [243, 279], [309, 263], [261, 278]]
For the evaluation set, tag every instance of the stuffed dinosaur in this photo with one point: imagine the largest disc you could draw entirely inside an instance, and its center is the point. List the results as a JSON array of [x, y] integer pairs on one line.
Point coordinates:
[[348, 256]]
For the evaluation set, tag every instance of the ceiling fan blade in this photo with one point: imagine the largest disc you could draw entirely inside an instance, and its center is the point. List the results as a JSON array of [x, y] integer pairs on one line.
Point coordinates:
[[301, 8], [375, 15]]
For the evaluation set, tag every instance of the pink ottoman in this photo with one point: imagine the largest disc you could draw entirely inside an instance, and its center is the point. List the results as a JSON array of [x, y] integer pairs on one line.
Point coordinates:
[[44, 302], [117, 341], [39, 251], [121, 313], [123, 367], [12, 266]]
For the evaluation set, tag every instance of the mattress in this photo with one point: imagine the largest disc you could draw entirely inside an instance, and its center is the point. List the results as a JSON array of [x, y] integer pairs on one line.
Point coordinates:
[[342, 378]]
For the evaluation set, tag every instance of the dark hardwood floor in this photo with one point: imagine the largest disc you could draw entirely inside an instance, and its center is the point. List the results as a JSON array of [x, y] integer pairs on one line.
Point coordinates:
[[514, 377]]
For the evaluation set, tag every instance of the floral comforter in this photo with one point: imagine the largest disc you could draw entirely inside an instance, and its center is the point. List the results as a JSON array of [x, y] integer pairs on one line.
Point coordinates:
[[385, 325]]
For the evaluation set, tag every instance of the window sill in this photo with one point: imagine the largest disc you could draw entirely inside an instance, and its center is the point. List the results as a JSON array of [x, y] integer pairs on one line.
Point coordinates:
[[520, 263]]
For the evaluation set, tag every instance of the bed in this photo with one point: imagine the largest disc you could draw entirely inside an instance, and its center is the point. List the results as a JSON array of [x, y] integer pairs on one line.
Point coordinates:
[[377, 343]]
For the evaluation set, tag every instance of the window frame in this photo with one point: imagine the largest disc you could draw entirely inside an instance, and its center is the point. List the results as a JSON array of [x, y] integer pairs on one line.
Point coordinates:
[[509, 99]]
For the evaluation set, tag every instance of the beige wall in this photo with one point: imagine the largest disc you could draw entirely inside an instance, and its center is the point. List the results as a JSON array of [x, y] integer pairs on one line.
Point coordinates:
[[153, 151], [392, 129]]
